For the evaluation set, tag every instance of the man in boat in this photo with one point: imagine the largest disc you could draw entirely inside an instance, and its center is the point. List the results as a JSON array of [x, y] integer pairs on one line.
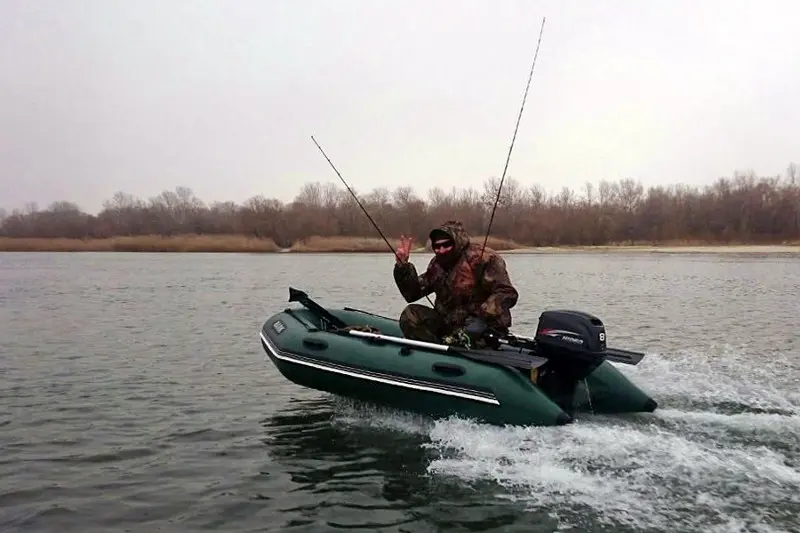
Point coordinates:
[[473, 291]]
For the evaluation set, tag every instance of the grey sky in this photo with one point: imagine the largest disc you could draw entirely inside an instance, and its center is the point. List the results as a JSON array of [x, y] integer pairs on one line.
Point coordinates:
[[143, 96]]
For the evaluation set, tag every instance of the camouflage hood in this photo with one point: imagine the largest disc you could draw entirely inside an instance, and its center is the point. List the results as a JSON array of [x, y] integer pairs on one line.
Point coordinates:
[[455, 230]]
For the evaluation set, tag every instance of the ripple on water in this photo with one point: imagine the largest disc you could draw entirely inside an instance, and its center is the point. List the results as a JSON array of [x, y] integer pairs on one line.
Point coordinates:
[[134, 397]]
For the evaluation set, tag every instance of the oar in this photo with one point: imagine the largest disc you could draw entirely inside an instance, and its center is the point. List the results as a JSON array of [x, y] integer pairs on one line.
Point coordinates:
[[296, 295]]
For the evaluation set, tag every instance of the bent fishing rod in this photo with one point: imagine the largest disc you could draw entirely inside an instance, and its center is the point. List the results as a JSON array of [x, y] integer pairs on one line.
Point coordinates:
[[513, 138]]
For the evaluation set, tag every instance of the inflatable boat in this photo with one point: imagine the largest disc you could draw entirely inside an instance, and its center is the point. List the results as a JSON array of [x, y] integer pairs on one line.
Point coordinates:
[[545, 380]]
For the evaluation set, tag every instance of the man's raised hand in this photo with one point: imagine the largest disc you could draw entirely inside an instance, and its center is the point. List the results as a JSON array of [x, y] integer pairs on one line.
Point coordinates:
[[404, 249]]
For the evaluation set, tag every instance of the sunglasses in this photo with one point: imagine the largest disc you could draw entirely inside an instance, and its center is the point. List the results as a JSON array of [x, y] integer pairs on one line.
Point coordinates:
[[442, 245]]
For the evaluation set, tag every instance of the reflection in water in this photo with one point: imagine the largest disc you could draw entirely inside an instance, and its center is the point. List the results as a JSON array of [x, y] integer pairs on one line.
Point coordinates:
[[352, 474]]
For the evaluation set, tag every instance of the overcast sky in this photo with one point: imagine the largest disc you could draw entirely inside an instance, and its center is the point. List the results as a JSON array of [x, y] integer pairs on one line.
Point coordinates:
[[222, 97]]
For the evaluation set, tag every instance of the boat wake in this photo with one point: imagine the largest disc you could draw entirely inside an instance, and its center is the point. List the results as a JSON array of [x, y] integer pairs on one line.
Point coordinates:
[[722, 454]]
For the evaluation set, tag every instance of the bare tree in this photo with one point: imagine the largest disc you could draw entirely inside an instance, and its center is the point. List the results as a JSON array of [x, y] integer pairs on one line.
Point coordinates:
[[741, 208]]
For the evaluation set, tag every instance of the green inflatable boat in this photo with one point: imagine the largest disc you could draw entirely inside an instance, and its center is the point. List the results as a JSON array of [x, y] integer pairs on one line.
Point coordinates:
[[543, 380]]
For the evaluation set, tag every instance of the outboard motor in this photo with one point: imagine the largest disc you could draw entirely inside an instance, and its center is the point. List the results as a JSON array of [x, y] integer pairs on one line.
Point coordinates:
[[574, 343]]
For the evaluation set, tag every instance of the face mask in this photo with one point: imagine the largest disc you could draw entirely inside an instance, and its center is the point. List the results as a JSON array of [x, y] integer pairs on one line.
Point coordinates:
[[441, 247]]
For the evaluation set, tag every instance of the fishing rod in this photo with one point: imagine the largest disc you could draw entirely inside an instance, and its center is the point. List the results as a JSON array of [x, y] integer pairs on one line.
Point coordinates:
[[513, 138], [354, 196], [361, 206], [502, 179]]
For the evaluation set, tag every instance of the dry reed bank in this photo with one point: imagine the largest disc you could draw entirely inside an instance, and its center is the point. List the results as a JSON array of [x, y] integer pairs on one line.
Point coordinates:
[[241, 244], [141, 243], [742, 210], [211, 244]]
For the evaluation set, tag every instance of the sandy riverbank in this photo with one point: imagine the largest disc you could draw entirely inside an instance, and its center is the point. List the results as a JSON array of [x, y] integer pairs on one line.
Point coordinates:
[[244, 244], [695, 249]]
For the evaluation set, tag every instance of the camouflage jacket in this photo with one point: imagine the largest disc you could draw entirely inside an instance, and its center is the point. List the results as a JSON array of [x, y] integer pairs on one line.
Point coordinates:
[[460, 291]]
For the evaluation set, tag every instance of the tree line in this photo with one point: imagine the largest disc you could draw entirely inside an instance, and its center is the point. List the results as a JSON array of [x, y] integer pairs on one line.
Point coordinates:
[[744, 208]]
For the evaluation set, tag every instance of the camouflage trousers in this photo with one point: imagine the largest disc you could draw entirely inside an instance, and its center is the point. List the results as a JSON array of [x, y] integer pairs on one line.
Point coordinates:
[[422, 323]]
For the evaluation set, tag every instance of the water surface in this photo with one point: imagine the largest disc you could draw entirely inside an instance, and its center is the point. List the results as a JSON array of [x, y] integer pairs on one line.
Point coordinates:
[[134, 396]]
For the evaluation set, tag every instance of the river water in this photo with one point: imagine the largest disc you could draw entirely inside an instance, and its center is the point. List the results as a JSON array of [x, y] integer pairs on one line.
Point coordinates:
[[134, 396]]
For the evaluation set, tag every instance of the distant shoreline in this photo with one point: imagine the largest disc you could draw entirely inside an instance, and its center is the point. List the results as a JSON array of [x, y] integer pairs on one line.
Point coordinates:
[[696, 249], [244, 244]]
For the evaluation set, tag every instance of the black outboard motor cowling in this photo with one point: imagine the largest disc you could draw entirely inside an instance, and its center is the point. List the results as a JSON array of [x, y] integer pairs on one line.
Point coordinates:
[[574, 342], [581, 334]]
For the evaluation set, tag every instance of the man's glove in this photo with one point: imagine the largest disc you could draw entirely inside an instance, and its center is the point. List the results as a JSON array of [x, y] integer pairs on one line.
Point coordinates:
[[475, 327]]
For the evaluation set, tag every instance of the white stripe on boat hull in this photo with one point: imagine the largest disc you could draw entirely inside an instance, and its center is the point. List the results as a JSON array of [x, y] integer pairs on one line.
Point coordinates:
[[283, 356]]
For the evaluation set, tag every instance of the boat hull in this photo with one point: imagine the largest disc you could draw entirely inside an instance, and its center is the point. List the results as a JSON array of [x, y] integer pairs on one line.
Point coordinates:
[[437, 384]]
